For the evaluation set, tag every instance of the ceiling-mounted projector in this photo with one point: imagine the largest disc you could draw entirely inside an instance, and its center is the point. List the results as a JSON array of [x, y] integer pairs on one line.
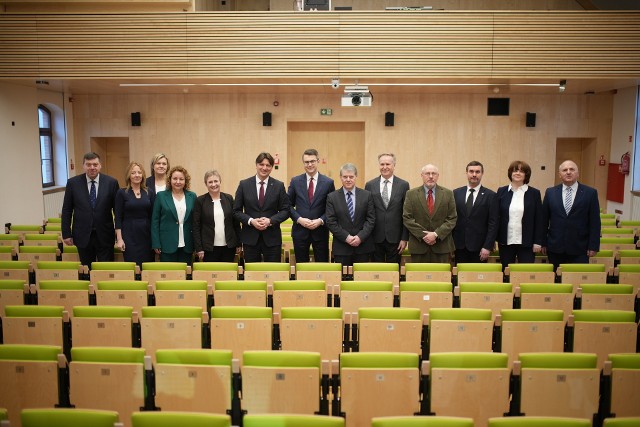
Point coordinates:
[[356, 96]]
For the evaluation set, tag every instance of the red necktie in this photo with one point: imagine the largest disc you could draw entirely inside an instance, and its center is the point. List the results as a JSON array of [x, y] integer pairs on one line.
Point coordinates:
[[310, 189], [261, 194], [430, 201]]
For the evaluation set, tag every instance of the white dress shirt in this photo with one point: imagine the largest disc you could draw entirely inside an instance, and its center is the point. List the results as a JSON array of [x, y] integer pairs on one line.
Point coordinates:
[[516, 212]]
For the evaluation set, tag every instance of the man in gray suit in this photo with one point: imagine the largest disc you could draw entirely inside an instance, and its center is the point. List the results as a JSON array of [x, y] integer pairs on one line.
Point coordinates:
[[351, 217], [390, 235], [430, 216]]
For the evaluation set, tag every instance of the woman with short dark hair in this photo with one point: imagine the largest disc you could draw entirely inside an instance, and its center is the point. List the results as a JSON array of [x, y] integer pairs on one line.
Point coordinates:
[[520, 232]]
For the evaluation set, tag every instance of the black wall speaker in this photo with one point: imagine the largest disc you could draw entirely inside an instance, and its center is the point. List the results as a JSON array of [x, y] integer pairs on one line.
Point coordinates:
[[389, 118], [531, 120], [266, 118], [497, 106], [135, 119]]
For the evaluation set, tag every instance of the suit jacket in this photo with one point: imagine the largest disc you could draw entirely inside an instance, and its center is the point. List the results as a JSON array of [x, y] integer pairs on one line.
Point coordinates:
[[204, 223], [532, 226], [276, 208], [389, 224], [577, 232], [77, 209], [301, 207], [417, 219], [151, 184], [165, 225], [480, 228], [340, 224]]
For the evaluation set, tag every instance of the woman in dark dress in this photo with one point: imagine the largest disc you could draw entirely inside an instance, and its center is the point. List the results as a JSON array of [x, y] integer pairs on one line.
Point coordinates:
[[134, 205]]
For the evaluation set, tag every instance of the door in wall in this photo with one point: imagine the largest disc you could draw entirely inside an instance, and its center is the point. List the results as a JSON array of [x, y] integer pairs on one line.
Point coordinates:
[[114, 156], [583, 152], [337, 143]]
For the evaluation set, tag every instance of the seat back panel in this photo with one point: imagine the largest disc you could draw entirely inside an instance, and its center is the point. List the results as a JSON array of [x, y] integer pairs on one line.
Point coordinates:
[[428, 276], [240, 298], [562, 302], [479, 393], [193, 388], [101, 332], [369, 393], [530, 337], [458, 335], [318, 335], [390, 335], [135, 299], [625, 389], [331, 278], [27, 384], [560, 392], [280, 390], [33, 330], [190, 298], [426, 300], [291, 298], [65, 298], [109, 386], [603, 338], [240, 335], [351, 301]]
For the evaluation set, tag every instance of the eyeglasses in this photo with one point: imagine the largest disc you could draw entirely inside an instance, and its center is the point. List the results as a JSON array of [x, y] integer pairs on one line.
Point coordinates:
[[310, 162]]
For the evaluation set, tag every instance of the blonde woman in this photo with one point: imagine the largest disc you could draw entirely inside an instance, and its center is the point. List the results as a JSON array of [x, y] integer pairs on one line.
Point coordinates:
[[133, 208], [159, 167]]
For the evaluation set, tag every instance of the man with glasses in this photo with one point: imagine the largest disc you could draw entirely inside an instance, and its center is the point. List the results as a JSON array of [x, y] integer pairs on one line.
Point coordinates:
[[430, 216], [308, 197]]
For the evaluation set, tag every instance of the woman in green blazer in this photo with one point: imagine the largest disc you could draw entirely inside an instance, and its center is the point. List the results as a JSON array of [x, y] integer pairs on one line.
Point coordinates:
[[171, 222]]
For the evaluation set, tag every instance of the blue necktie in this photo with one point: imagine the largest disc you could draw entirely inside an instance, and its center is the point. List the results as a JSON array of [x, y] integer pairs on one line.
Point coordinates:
[[567, 200], [92, 195], [352, 213]]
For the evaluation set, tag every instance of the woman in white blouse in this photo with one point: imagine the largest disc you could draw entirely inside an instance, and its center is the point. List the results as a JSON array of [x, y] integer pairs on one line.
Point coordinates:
[[520, 232], [215, 230], [172, 219]]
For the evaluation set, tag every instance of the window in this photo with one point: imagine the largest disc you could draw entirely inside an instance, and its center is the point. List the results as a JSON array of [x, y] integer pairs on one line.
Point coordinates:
[[46, 146]]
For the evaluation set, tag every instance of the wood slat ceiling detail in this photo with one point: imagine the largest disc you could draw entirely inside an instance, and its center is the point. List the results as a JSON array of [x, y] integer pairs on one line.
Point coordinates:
[[241, 46]]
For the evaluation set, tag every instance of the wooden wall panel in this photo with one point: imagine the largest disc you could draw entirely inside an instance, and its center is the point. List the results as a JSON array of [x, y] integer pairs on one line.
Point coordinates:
[[224, 131], [289, 46]]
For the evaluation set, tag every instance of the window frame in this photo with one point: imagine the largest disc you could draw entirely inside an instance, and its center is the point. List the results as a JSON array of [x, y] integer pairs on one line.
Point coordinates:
[[46, 132]]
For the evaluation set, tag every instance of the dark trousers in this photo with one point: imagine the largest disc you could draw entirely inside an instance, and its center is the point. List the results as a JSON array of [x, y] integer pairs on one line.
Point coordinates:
[[178, 256], [464, 255], [386, 252], [261, 252], [350, 259], [95, 252], [320, 249], [220, 254], [431, 256], [509, 253], [557, 258]]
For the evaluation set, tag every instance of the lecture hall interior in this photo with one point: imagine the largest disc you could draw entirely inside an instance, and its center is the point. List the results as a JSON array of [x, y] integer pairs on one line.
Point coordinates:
[[212, 83]]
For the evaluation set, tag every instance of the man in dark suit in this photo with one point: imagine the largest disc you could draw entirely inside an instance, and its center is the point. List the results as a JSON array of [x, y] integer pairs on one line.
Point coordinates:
[[308, 197], [261, 204], [477, 223], [571, 212], [351, 218], [430, 214], [89, 201], [390, 235]]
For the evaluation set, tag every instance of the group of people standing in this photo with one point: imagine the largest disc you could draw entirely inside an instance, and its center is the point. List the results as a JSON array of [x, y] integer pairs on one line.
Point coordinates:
[[159, 215]]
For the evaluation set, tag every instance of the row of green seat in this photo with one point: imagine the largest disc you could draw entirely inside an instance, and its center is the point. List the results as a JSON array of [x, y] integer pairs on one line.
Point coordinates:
[[360, 386]]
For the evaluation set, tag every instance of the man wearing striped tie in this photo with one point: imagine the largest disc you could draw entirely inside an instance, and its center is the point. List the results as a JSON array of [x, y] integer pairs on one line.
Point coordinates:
[[351, 218], [571, 212]]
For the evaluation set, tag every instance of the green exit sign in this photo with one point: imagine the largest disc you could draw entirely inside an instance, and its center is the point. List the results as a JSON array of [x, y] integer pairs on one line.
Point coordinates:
[[326, 111]]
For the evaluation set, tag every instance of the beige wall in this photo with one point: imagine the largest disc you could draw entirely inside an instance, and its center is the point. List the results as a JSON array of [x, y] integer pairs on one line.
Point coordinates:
[[225, 131], [21, 190]]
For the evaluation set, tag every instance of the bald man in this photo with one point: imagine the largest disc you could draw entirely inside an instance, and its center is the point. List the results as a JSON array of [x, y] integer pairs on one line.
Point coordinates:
[[430, 215], [571, 212]]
